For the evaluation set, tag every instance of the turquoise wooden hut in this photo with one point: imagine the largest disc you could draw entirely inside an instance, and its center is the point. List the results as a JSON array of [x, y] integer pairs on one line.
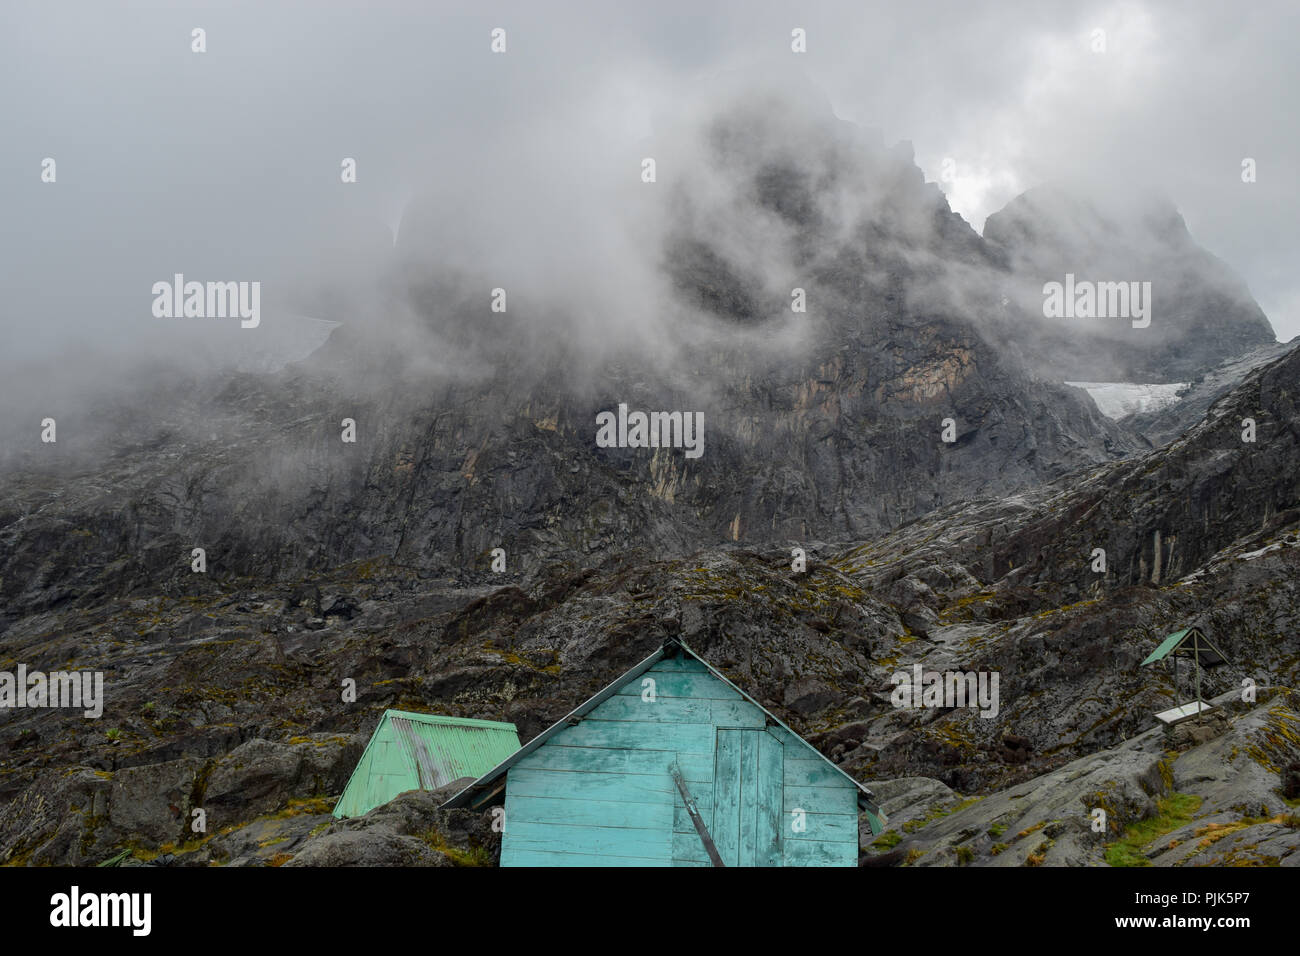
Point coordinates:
[[673, 765], [411, 751]]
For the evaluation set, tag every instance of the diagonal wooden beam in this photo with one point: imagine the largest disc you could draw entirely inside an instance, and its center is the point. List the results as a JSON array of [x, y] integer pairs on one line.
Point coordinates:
[[693, 809]]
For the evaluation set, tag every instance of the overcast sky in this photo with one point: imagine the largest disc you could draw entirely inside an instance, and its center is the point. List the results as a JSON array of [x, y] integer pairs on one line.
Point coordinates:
[[226, 164]]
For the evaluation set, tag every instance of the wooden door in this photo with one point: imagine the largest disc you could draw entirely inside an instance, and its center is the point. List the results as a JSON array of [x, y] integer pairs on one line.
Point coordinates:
[[748, 785]]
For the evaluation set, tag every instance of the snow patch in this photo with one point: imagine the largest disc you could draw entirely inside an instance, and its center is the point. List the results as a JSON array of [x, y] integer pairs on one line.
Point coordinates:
[[1117, 399]]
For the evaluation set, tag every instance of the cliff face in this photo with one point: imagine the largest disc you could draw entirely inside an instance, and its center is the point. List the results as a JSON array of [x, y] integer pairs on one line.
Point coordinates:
[[478, 430], [1163, 425], [845, 443]]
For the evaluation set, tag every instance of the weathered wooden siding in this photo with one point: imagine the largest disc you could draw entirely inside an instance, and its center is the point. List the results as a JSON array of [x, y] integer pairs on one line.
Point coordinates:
[[599, 793], [830, 805]]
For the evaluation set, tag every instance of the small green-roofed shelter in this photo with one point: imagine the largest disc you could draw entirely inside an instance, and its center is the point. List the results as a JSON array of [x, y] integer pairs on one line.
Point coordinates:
[[1189, 642], [410, 751]]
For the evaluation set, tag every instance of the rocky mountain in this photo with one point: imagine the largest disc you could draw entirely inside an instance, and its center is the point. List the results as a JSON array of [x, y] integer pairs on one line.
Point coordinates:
[[477, 430], [330, 560], [1201, 312], [1163, 425]]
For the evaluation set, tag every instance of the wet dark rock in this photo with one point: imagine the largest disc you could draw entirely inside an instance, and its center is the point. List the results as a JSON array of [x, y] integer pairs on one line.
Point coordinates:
[[410, 830], [1291, 781], [370, 848]]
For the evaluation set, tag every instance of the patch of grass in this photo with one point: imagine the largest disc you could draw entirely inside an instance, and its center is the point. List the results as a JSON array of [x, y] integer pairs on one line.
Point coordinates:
[[474, 856], [308, 806], [1038, 854], [512, 658], [911, 826], [1214, 832], [1276, 741], [1166, 769], [1172, 812], [1034, 829], [888, 840]]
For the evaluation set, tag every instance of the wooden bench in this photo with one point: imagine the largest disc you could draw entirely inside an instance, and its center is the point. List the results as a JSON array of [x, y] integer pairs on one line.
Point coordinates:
[[1183, 712]]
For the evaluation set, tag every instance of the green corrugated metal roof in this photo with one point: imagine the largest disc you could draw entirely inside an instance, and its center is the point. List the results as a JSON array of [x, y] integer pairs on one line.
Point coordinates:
[[450, 721], [1210, 656], [1167, 645], [410, 751]]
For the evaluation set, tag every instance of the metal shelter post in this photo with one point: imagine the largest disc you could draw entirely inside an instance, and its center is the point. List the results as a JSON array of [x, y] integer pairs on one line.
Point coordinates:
[[1196, 651]]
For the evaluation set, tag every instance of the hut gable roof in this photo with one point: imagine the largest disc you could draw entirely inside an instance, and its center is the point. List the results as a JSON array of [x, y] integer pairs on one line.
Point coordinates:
[[491, 782]]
